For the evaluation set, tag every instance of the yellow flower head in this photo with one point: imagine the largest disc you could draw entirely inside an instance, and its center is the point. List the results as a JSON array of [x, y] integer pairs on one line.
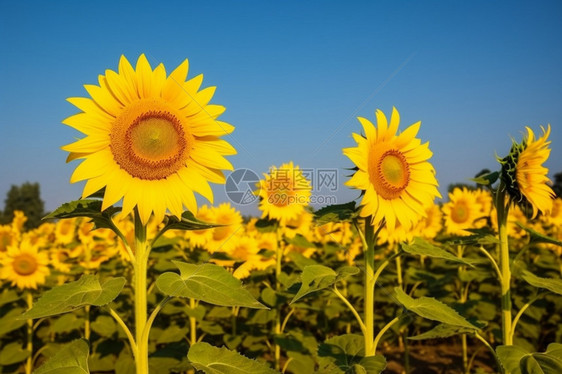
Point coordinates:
[[284, 193], [200, 238], [461, 211], [432, 224], [524, 175], [151, 139], [393, 171], [231, 219], [65, 230], [25, 266]]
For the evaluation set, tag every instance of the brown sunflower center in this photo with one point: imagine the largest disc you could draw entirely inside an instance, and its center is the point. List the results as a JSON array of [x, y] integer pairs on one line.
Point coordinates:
[[460, 212], [149, 142], [390, 174], [25, 264]]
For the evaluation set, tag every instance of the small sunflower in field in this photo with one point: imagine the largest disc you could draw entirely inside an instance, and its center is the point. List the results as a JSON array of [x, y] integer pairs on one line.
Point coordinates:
[[151, 139], [25, 266], [524, 175], [432, 223], [7, 237], [461, 212], [284, 193], [554, 218], [393, 171], [200, 238], [231, 221], [65, 230]]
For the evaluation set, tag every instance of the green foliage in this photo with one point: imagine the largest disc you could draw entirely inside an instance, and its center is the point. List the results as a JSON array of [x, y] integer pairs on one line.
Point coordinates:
[[74, 295], [553, 285], [336, 213], [26, 198], [13, 353], [90, 208], [433, 309], [318, 277], [346, 354], [518, 360], [443, 331], [213, 360], [207, 282], [422, 247], [71, 359]]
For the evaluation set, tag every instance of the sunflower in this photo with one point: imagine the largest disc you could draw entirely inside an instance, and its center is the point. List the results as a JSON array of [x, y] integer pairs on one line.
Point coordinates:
[[432, 224], [555, 216], [393, 171], [284, 193], [524, 175], [461, 212], [231, 221], [199, 238], [25, 266], [65, 230], [152, 140]]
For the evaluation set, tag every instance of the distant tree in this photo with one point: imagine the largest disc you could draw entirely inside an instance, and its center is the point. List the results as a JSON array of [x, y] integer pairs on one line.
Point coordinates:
[[27, 199], [557, 186]]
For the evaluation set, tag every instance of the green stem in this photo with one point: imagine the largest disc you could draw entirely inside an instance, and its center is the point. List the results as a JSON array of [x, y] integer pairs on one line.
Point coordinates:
[[142, 251], [494, 263], [505, 281], [351, 308], [398, 261], [383, 330], [192, 323], [29, 361], [120, 322], [146, 331], [369, 283], [479, 337], [523, 309], [277, 331]]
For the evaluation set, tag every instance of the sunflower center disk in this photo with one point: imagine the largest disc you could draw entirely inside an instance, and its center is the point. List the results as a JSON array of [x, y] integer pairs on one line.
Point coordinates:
[[392, 174], [25, 265], [459, 213], [151, 146]]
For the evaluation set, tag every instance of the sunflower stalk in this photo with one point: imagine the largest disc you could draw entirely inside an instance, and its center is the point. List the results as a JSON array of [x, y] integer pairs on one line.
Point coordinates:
[[369, 296], [29, 360], [142, 251]]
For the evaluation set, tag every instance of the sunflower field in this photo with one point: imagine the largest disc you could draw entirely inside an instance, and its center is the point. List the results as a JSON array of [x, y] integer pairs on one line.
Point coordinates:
[[135, 277]]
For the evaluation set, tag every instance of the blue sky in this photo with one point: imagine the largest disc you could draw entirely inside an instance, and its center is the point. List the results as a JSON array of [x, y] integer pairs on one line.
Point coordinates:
[[293, 76]]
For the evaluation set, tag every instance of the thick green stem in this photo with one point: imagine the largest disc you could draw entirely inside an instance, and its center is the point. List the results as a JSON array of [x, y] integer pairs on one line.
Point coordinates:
[[142, 251], [192, 323], [277, 328], [29, 361], [369, 283], [505, 282]]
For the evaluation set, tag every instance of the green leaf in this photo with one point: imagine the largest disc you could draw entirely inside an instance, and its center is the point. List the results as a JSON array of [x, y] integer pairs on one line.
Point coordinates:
[[10, 321], [318, 277], [266, 225], [421, 247], [209, 283], [537, 237], [430, 308], [346, 353], [13, 353], [443, 331], [336, 213], [300, 241], [213, 360], [74, 295], [90, 208], [71, 359], [487, 179], [187, 222], [315, 278], [551, 284], [8, 295], [104, 326], [518, 360]]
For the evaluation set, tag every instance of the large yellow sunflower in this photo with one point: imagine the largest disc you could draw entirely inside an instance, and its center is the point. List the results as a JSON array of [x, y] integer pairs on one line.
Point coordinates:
[[25, 266], [393, 171], [284, 193], [152, 140], [524, 175]]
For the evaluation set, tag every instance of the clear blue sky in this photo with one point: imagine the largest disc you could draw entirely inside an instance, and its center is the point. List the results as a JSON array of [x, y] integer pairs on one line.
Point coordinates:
[[292, 75]]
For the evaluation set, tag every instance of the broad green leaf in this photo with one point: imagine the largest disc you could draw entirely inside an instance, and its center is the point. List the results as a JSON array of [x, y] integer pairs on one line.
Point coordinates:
[[74, 295], [551, 284], [300, 241], [346, 353], [90, 208], [537, 237], [486, 179], [188, 222], [336, 213], [104, 326], [430, 308], [172, 334], [315, 278], [13, 353], [10, 321], [8, 295], [209, 283], [266, 225], [213, 360], [71, 359], [517, 360], [66, 323], [421, 247], [443, 331], [318, 277]]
